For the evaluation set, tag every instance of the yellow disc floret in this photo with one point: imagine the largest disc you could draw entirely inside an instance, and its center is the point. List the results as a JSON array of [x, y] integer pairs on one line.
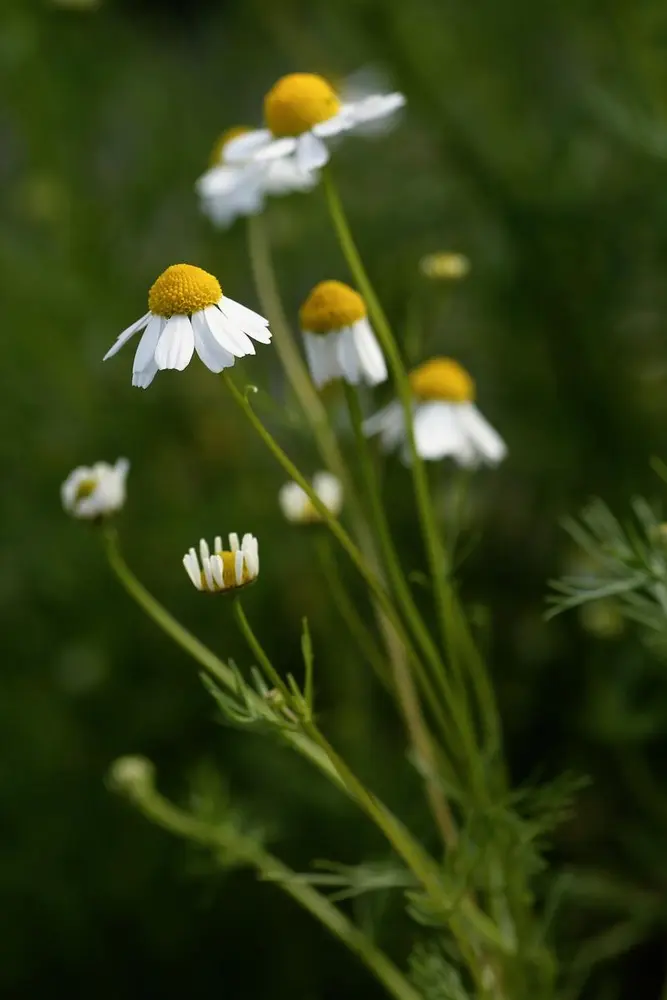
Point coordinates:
[[216, 156], [442, 379], [86, 488], [297, 102], [228, 573], [331, 306], [183, 289]]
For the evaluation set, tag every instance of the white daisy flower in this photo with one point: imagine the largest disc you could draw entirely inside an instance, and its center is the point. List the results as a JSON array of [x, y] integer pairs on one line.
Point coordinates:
[[187, 312], [446, 421], [95, 491], [301, 110], [230, 191], [296, 505], [338, 338], [223, 569]]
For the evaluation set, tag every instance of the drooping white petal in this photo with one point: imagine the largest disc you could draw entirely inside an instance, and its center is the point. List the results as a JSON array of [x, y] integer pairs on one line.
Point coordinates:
[[176, 344], [245, 146], [485, 440], [126, 334], [144, 378], [209, 349], [389, 423], [249, 322], [439, 431], [146, 348], [292, 501], [348, 358], [284, 175], [370, 354], [334, 126], [311, 152], [316, 356], [227, 333], [375, 107]]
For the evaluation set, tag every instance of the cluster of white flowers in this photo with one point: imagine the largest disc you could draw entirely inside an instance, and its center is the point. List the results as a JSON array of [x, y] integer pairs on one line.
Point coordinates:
[[188, 313]]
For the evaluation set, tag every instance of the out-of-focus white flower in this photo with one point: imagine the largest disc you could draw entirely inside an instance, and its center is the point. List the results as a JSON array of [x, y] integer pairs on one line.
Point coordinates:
[[95, 491], [338, 338], [444, 266], [132, 776], [223, 569], [297, 507], [301, 110], [446, 421], [187, 312], [228, 191]]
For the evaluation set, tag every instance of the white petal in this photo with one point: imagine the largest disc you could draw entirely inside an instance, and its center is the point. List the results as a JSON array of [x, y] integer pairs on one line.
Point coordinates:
[[218, 570], [485, 440], [276, 149], [227, 333], [439, 431], [126, 334], [218, 181], [238, 567], [208, 573], [204, 550], [245, 146], [176, 344], [209, 349], [376, 107], [233, 541], [144, 378], [192, 569], [339, 123], [311, 152], [145, 353], [370, 353], [292, 501], [321, 353], [348, 359], [330, 491], [250, 549], [217, 544], [283, 176], [389, 423], [250, 322]]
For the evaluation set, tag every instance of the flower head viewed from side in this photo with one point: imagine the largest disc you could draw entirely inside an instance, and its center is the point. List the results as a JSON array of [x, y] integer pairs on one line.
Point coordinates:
[[223, 569], [187, 312], [301, 110], [228, 191], [338, 338], [297, 507], [447, 424], [95, 491]]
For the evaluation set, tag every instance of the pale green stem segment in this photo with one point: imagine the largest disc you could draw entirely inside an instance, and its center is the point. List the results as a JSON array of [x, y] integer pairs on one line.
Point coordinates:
[[247, 851], [437, 556]]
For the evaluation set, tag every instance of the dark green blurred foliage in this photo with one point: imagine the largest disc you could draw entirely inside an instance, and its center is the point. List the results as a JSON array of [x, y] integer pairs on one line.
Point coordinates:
[[535, 142]]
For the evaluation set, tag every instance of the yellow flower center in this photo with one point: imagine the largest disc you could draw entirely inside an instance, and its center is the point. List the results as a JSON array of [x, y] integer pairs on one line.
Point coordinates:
[[442, 379], [183, 289], [331, 306], [85, 488], [297, 102], [216, 157], [228, 573]]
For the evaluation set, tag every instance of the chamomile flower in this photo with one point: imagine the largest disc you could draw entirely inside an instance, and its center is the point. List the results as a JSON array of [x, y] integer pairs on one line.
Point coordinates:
[[300, 111], [297, 507], [446, 421], [95, 491], [338, 338], [187, 312], [223, 569], [228, 191]]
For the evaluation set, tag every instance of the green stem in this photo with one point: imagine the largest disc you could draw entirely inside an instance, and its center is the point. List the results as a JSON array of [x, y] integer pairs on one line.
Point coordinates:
[[270, 868], [255, 645]]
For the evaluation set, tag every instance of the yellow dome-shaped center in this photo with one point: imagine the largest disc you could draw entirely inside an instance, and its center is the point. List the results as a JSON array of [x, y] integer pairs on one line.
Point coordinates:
[[297, 102], [331, 306], [228, 573], [442, 379], [183, 289], [234, 132]]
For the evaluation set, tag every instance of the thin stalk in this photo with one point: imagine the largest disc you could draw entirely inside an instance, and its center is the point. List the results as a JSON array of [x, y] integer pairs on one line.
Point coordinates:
[[377, 589], [270, 868], [255, 645]]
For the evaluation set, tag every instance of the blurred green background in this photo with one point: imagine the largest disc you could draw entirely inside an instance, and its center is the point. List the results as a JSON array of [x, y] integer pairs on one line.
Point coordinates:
[[535, 142]]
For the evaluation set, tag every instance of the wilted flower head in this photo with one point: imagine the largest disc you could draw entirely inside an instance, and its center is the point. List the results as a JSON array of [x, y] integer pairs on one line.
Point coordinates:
[[223, 569], [444, 266], [95, 491], [228, 191], [338, 338], [446, 421], [187, 312], [301, 110], [297, 506]]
